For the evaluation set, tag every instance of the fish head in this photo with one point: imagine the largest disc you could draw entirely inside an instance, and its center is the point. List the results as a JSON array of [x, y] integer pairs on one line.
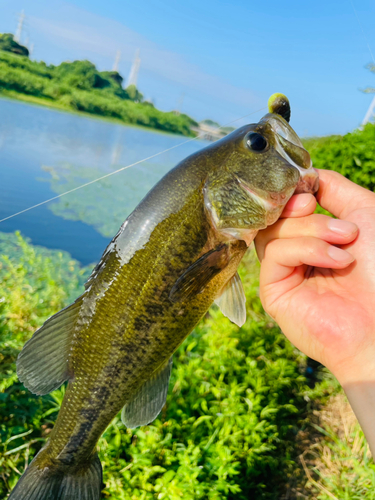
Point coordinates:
[[265, 165]]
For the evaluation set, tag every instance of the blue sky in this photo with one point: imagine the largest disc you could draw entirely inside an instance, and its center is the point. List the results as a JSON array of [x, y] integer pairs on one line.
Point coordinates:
[[226, 58]]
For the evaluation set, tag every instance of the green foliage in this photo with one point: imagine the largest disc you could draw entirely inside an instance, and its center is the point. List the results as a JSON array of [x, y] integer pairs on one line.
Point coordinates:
[[80, 86], [34, 283], [8, 44], [370, 90], [352, 155], [233, 407], [211, 123], [134, 93]]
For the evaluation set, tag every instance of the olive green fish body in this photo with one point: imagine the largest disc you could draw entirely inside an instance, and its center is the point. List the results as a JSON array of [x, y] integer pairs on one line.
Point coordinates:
[[175, 255], [135, 328]]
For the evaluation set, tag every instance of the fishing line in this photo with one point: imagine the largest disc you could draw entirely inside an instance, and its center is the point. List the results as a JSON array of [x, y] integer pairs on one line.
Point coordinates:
[[363, 32], [121, 169]]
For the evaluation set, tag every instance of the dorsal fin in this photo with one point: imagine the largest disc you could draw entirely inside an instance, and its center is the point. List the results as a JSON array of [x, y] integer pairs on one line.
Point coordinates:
[[42, 365]]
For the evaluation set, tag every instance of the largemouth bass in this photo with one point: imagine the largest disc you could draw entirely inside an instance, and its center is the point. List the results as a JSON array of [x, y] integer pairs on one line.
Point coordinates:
[[175, 255]]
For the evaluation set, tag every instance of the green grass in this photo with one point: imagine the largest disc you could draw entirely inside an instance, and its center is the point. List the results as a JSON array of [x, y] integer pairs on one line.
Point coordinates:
[[340, 465]]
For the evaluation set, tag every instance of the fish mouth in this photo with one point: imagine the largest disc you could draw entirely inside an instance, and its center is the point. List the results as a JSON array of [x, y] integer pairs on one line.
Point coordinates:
[[290, 147], [308, 183]]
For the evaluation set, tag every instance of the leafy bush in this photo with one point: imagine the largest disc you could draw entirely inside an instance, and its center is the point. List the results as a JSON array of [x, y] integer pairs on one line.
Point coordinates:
[[21, 81], [25, 64], [34, 283], [352, 155], [8, 43]]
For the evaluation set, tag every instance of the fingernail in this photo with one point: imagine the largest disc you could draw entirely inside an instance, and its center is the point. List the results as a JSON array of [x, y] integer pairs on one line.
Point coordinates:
[[339, 255], [342, 227], [303, 200]]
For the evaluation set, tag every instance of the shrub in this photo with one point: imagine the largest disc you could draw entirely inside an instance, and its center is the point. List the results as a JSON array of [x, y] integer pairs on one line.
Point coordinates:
[[352, 155], [8, 43], [34, 283]]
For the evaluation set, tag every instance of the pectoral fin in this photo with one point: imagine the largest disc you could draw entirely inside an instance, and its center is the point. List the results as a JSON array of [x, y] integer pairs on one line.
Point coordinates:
[[199, 274], [149, 400], [232, 301], [42, 365]]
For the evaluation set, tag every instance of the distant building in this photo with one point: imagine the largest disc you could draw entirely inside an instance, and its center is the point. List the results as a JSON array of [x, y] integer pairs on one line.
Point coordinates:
[[208, 132]]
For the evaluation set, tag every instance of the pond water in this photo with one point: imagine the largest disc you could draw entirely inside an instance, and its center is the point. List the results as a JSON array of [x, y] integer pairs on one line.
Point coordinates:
[[45, 152]]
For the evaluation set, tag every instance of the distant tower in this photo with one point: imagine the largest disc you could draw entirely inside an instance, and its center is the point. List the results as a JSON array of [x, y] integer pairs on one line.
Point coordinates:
[[370, 112], [21, 20], [180, 102], [117, 61], [133, 75]]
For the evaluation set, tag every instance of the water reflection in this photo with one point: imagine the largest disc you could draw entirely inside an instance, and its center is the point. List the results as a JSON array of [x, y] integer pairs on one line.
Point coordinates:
[[44, 152]]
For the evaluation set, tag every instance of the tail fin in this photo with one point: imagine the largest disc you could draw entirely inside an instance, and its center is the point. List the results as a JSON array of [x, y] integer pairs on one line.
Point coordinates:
[[54, 483]]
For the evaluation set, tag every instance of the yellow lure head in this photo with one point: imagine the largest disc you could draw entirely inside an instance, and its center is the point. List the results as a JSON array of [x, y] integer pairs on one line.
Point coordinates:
[[279, 104]]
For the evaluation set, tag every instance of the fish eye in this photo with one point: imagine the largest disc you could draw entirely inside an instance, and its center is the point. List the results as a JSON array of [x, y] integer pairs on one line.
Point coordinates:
[[256, 142]]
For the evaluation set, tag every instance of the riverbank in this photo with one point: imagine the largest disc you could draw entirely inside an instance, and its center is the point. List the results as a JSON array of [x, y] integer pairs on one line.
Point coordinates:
[[80, 87], [55, 106]]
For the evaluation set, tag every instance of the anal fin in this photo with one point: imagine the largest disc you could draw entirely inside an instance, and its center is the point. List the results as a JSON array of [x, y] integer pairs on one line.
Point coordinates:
[[42, 365], [232, 301], [149, 400]]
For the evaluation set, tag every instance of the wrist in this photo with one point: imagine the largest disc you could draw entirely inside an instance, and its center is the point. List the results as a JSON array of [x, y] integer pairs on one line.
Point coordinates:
[[356, 369]]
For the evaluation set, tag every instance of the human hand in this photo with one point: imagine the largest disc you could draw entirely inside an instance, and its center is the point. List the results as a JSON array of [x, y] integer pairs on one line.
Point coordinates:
[[318, 276]]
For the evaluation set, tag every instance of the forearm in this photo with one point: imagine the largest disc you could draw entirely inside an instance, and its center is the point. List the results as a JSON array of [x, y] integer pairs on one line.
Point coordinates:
[[361, 396]]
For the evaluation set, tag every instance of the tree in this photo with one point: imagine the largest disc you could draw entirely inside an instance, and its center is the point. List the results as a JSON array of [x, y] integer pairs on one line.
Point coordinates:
[[134, 93], [210, 123], [8, 44]]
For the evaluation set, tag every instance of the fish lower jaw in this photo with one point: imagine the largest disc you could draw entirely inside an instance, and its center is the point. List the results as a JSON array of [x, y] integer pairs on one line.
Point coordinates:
[[272, 203]]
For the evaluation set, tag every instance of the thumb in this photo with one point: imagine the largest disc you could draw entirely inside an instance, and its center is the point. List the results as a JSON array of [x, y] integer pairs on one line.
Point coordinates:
[[340, 196]]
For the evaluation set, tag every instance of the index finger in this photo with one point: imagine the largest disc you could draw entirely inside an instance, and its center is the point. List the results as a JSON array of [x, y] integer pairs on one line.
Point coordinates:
[[340, 196]]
